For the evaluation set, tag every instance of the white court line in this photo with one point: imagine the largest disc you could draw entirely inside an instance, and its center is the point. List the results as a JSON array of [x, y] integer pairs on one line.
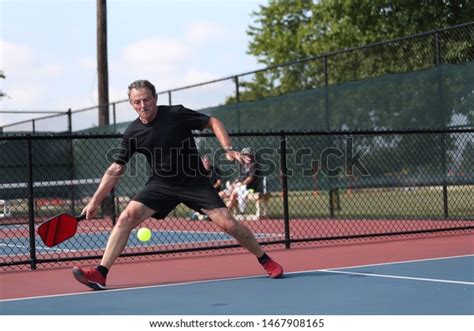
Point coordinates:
[[264, 234], [224, 238], [221, 280], [398, 277], [107, 232], [134, 288], [220, 240], [399, 262], [38, 247], [13, 245], [52, 183], [338, 270]]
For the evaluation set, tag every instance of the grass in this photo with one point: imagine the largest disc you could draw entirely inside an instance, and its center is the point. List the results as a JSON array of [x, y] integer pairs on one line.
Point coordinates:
[[412, 203], [425, 203]]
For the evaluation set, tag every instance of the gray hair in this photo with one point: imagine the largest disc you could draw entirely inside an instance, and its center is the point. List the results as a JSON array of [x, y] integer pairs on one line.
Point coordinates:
[[141, 84]]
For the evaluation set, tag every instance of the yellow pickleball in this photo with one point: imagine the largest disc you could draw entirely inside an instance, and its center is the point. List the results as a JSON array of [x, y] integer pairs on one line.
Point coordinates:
[[144, 234]]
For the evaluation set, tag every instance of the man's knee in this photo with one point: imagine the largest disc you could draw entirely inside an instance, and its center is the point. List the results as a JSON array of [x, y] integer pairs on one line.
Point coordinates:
[[223, 218], [230, 226], [128, 219]]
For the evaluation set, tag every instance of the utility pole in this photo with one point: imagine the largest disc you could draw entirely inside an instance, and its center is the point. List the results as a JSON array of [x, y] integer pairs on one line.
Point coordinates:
[[2, 75], [102, 66], [2, 94]]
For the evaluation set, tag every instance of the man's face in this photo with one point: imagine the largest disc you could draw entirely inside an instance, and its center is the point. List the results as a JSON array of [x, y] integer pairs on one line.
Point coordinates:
[[144, 103]]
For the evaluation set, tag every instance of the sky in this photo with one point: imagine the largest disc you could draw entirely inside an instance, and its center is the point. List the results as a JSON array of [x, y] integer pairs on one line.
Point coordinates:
[[48, 50]]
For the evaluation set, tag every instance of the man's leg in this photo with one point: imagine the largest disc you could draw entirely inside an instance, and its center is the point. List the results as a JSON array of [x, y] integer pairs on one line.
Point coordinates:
[[224, 219], [134, 214]]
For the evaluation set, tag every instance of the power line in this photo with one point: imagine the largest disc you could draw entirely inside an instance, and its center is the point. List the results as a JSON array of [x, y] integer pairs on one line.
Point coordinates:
[[31, 111]]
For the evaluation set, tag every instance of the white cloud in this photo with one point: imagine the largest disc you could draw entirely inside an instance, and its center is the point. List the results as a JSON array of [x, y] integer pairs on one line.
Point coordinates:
[[28, 93], [21, 60], [87, 63], [21, 95], [117, 94], [15, 56], [26, 76], [162, 61], [168, 63], [154, 55], [201, 32], [50, 71], [194, 76]]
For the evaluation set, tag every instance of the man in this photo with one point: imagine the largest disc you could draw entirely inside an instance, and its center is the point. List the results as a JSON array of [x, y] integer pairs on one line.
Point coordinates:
[[247, 180], [163, 135]]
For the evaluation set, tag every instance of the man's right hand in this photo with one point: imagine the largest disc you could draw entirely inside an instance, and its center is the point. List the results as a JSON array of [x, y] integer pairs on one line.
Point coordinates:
[[237, 156], [107, 183], [90, 210]]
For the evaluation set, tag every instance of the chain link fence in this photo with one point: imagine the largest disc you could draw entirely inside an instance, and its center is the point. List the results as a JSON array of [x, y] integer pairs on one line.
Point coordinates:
[[315, 188], [434, 68]]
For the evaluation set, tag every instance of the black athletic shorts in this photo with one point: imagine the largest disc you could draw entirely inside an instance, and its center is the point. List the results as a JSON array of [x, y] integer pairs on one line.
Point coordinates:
[[164, 197]]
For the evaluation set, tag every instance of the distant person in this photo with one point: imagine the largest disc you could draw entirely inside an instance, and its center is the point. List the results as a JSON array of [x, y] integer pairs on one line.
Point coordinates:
[[164, 135], [245, 183]]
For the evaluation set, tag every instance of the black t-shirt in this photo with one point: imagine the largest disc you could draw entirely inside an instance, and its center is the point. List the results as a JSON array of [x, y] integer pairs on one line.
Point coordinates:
[[167, 144]]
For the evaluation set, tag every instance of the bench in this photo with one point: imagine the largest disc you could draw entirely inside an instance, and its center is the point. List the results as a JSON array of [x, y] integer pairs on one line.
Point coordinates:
[[261, 206], [5, 210]]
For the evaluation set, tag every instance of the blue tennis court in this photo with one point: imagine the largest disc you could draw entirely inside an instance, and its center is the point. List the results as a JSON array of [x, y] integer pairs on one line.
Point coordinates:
[[441, 286]]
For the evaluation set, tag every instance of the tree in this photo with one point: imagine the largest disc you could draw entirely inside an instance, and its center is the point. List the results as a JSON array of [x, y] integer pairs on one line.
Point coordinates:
[[291, 30]]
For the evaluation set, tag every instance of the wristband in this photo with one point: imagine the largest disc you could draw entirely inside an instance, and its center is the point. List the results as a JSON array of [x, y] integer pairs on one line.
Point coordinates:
[[228, 149]]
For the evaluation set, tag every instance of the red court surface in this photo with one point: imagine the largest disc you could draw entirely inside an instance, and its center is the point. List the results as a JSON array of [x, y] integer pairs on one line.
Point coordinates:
[[170, 270]]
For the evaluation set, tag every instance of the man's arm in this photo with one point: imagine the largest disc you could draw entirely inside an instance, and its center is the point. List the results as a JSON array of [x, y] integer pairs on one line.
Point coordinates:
[[223, 137], [248, 180], [109, 180], [220, 131], [217, 184]]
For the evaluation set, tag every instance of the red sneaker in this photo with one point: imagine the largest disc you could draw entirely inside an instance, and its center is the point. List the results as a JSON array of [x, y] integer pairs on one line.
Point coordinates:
[[90, 277], [273, 269]]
